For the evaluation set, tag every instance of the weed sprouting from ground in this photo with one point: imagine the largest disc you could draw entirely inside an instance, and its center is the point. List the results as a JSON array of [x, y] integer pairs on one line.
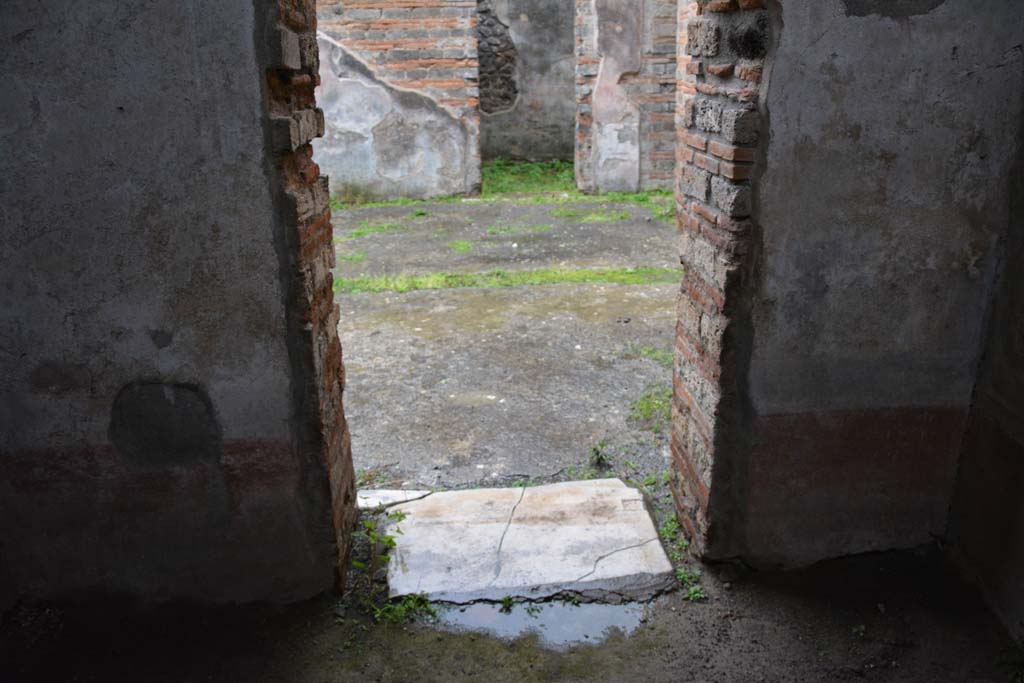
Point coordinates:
[[653, 410], [461, 246], [600, 458], [501, 278], [406, 610], [381, 542], [507, 603], [369, 478], [379, 531], [419, 213], [695, 594], [671, 535], [689, 579]]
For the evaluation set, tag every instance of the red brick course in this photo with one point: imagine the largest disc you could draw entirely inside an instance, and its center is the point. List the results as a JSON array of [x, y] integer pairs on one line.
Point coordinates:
[[718, 127], [295, 121]]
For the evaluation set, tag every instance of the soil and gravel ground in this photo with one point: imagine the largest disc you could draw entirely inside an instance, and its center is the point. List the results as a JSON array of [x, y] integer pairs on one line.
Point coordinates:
[[567, 378], [480, 386]]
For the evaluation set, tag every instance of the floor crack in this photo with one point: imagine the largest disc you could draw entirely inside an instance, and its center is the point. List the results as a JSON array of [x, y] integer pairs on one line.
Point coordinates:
[[497, 564], [613, 552]]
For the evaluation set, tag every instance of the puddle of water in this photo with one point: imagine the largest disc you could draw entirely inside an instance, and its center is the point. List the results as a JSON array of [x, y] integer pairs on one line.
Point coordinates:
[[559, 625]]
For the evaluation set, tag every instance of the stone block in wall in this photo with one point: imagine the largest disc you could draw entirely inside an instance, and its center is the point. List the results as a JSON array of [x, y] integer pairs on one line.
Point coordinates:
[[739, 125], [702, 39]]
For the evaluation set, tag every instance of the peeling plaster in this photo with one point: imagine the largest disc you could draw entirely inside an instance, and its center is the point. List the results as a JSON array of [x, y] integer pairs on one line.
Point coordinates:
[[382, 141]]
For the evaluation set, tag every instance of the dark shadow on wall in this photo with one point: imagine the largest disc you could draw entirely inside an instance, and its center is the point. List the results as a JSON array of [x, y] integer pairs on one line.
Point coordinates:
[[986, 529]]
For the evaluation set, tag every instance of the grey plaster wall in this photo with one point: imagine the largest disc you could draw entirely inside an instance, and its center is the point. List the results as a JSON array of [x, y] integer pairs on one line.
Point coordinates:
[[382, 141], [620, 37], [540, 124], [146, 444], [892, 129]]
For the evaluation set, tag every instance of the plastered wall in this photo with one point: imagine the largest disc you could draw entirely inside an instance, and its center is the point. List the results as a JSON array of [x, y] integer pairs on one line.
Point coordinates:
[[165, 421], [842, 185], [535, 113], [398, 86]]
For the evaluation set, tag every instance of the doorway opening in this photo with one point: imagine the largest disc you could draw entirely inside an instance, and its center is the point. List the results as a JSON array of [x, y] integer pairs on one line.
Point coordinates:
[[505, 327]]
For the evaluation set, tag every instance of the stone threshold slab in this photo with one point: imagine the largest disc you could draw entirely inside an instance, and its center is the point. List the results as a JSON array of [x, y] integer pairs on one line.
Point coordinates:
[[594, 538], [374, 499]]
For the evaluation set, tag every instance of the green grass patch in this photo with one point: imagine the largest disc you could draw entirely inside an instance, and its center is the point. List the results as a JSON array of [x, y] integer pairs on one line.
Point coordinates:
[[662, 358], [419, 213], [366, 228], [351, 196], [461, 246], [499, 229], [520, 182], [501, 278], [503, 176], [354, 257], [653, 410], [589, 215], [339, 203], [661, 202]]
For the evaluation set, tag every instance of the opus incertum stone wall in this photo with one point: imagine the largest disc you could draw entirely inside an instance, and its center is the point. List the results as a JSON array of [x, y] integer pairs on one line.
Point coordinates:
[[499, 61], [844, 211], [625, 94], [398, 85]]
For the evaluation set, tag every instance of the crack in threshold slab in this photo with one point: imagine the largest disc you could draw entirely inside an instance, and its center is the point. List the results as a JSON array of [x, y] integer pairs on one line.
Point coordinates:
[[501, 542], [614, 552]]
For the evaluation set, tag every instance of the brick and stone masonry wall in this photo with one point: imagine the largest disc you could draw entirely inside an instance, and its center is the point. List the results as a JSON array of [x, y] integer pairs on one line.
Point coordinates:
[[720, 63], [303, 194], [399, 87], [835, 297], [625, 94]]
